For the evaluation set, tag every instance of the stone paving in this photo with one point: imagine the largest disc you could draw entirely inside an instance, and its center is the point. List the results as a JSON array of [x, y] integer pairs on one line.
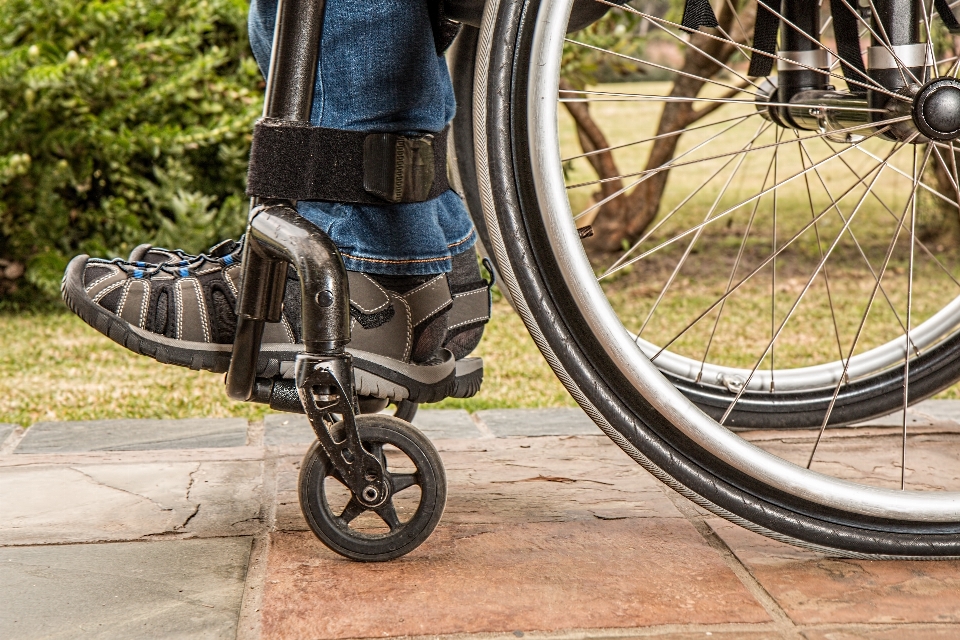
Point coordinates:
[[191, 529]]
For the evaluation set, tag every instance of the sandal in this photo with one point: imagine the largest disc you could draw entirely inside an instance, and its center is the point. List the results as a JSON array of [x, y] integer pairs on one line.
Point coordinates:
[[182, 312], [470, 292]]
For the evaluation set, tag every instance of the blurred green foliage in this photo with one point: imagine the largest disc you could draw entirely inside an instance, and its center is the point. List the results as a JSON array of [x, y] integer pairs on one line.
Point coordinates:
[[121, 121]]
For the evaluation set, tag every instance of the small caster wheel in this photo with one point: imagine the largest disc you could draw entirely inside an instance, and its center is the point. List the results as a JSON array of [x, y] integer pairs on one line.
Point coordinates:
[[406, 410], [400, 524]]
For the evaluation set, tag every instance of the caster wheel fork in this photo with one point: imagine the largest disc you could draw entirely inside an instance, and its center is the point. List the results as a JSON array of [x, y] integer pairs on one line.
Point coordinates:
[[401, 522]]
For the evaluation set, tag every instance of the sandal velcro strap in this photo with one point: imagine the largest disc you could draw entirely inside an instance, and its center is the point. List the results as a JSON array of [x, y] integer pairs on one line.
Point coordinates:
[[390, 331], [297, 161], [429, 299], [470, 307]]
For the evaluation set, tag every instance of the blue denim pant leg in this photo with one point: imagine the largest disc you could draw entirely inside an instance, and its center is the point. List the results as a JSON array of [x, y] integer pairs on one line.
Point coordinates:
[[379, 71]]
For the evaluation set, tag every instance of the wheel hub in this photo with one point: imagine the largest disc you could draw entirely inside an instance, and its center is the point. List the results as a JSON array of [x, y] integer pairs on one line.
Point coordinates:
[[936, 109]]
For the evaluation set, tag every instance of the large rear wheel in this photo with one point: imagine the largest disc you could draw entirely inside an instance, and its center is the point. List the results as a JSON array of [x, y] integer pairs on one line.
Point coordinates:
[[809, 494]]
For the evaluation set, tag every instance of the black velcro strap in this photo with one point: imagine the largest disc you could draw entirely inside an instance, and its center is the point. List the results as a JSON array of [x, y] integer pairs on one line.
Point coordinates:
[[698, 13], [946, 14], [296, 161], [847, 32], [764, 38]]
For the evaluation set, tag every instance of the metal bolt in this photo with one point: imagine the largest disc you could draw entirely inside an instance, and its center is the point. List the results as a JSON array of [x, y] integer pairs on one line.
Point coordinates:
[[324, 298], [370, 493]]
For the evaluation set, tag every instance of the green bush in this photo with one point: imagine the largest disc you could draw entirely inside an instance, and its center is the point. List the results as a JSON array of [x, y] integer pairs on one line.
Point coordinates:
[[121, 121]]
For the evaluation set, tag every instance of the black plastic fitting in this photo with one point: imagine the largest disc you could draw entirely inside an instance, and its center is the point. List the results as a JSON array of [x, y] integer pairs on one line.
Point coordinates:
[[936, 109]]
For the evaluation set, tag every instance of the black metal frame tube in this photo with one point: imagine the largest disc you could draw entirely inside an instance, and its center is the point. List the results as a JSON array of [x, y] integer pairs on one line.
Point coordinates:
[[294, 59], [896, 26], [276, 234], [898, 21], [799, 38]]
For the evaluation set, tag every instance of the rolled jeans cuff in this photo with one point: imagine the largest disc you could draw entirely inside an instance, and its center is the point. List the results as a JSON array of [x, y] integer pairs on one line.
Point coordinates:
[[403, 239]]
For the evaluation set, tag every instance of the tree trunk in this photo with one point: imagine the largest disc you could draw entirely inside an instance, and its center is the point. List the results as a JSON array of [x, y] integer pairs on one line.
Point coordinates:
[[591, 138], [624, 219]]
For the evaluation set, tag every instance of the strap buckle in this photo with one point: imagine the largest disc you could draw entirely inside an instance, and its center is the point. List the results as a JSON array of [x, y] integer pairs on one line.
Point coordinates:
[[398, 168]]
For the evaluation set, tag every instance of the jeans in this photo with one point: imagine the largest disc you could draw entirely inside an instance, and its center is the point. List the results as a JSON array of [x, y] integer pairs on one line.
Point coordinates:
[[379, 72]]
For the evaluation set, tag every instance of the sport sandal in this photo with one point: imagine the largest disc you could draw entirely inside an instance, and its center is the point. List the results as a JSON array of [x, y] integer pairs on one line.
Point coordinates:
[[183, 313], [470, 292]]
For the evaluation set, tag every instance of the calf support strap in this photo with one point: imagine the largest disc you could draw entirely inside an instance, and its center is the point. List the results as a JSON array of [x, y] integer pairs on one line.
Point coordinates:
[[296, 161]]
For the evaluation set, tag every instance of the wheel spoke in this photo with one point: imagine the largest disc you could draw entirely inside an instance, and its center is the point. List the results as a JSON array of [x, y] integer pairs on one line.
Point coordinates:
[[858, 246], [669, 134], [806, 287], [906, 350], [613, 96], [885, 43], [689, 43], [388, 513], [906, 175], [667, 166], [759, 267], [816, 228], [872, 85], [696, 236], [353, 509], [926, 24], [890, 211], [401, 481], [733, 271], [664, 219], [743, 203], [773, 263], [647, 177], [863, 319], [661, 67]]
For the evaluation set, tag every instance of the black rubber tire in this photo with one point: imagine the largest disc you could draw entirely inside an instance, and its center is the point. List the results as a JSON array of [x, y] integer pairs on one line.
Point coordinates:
[[406, 410], [596, 382], [339, 537]]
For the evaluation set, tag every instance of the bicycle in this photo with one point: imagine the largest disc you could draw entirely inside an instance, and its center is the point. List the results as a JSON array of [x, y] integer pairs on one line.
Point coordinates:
[[664, 401]]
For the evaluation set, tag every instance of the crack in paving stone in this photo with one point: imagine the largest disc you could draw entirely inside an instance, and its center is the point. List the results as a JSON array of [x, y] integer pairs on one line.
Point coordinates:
[[542, 478], [258, 518], [189, 518], [132, 493]]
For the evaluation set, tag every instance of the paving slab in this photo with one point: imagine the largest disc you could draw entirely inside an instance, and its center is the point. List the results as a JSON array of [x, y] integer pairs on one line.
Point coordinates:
[[96, 502], [5, 431], [163, 589], [538, 422], [286, 428], [518, 480], [446, 423], [873, 455], [885, 632], [813, 588], [939, 410], [133, 435], [290, 428], [538, 534], [502, 578]]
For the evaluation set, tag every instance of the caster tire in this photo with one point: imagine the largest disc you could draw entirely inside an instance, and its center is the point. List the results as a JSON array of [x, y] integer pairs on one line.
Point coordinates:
[[350, 530]]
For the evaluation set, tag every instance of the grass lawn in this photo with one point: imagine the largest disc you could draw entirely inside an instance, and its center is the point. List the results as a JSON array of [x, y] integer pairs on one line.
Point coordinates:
[[54, 367]]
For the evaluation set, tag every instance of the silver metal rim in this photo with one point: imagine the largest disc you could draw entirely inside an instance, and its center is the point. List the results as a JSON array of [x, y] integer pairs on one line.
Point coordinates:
[[624, 352], [937, 328]]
